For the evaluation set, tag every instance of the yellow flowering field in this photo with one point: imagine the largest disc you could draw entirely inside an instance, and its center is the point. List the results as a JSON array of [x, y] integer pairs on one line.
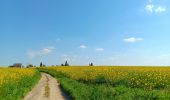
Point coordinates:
[[148, 78], [8, 75], [16, 82]]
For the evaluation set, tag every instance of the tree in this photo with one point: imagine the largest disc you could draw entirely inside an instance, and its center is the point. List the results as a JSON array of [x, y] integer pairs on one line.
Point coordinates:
[[29, 66], [16, 65], [41, 64], [66, 63], [91, 64], [62, 64]]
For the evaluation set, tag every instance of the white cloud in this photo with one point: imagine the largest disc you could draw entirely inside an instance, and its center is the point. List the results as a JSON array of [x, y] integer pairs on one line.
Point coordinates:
[[152, 8], [99, 49], [83, 46], [160, 9], [46, 50], [66, 57], [41, 52], [132, 40], [149, 8], [70, 58]]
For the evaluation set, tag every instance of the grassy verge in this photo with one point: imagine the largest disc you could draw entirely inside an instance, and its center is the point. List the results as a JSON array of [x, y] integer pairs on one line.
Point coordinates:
[[16, 90], [47, 88], [82, 91]]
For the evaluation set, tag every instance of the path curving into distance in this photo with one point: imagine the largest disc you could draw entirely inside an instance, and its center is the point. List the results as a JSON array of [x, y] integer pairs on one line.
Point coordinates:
[[47, 88]]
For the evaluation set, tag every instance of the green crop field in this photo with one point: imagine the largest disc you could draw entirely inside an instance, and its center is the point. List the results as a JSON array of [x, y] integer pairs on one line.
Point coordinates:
[[114, 83], [91, 83], [15, 82]]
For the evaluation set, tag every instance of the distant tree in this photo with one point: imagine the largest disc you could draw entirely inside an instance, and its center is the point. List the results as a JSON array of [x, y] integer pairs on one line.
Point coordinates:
[[62, 64], [41, 64], [16, 65], [29, 66], [66, 63], [91, 64]]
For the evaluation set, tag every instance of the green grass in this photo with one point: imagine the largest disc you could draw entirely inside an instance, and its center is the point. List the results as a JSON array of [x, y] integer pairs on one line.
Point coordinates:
[[83, 91], [17, 90], [47, 88]]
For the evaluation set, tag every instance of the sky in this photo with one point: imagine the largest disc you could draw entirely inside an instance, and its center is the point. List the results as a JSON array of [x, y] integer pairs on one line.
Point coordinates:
[[105, 32]]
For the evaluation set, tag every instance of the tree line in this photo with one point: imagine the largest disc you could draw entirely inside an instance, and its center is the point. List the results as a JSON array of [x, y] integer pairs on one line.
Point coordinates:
[[19, 65]]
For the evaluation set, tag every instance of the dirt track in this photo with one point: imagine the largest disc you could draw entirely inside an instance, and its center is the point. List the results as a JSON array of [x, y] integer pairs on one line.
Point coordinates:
[[47, 89]]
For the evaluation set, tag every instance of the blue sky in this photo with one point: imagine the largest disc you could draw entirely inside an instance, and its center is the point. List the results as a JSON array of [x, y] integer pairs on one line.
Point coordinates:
[[105, 32]]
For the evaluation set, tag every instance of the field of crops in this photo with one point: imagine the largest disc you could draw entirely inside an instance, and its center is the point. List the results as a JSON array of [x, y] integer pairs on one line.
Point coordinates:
[[138, 77], [91, 83], [16, 82], [117, 82]]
